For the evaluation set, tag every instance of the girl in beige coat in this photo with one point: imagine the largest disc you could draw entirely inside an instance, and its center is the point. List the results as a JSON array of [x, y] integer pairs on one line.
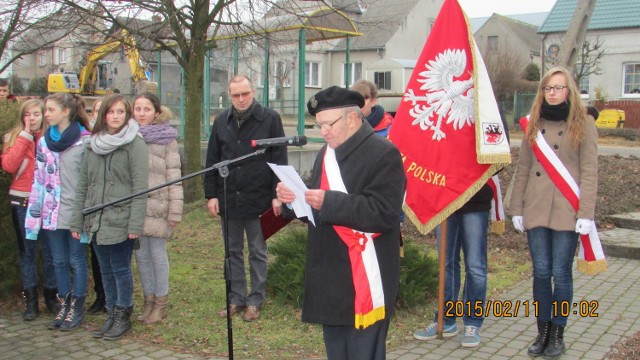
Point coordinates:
[[539, 208], [164, 206]]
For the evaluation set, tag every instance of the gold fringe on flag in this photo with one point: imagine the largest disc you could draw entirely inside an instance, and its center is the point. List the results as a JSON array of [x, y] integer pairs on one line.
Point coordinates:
[[497, 227], [370, 318], [455, 205], [592, 267]]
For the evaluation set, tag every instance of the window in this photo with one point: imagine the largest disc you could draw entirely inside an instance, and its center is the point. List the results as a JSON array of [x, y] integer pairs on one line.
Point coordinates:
[[62, 56], [583, 86], [312, 74], [42, 58], [382, 80], [492, 43], [631, 79], [356, 73]]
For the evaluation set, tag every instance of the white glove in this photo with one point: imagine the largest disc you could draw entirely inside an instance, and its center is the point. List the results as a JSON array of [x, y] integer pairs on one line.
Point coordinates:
[[584, 226], [518, 223]]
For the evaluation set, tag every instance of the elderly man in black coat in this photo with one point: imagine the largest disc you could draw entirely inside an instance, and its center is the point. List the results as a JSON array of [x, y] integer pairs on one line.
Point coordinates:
[[352, 267]]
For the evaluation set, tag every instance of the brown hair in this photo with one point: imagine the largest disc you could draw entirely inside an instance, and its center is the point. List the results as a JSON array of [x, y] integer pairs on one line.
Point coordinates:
[[13, 134], [76, 105], [155, 101], [366, 88], [107, 102], [577, 117], [240, 78]]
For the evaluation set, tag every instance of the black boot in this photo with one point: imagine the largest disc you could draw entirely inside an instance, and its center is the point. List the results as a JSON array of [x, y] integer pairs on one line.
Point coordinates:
[[121, 324], [106, 325], [541, 340], [98, 306], [31, 304], [75, 315], [51, 300], [62, 314], [555, 347]]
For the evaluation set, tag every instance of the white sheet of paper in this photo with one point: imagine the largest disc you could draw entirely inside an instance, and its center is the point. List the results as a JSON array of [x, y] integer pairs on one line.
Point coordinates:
[[288, 175]]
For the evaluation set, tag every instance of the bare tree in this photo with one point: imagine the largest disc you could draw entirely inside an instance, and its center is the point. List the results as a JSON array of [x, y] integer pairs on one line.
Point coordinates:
[[26, 26], [590, 57], [506, 73]]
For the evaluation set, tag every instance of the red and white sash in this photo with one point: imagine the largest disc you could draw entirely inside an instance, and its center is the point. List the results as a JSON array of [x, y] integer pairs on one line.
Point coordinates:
[[369, 296], [497, 207], [590, 256]]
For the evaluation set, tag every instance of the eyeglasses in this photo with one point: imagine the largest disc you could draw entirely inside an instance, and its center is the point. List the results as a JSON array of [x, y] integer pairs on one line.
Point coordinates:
[[319, 126], [557, 88], [243, 94]]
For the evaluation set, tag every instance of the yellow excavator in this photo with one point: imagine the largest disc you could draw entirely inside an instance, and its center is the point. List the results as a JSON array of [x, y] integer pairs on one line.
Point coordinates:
[[95, 74]]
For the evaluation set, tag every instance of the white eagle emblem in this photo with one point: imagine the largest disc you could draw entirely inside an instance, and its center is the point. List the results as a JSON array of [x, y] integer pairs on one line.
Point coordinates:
[[444, 95]]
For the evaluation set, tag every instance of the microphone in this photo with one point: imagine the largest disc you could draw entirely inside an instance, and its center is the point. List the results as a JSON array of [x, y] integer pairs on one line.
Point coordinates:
[[280, 141]]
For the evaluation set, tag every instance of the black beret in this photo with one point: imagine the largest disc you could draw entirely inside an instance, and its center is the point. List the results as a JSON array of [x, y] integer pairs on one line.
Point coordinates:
[[332, 98]]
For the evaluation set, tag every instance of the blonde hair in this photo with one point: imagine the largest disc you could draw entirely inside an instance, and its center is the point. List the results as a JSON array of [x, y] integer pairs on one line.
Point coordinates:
[[11, 136], [577, 117]]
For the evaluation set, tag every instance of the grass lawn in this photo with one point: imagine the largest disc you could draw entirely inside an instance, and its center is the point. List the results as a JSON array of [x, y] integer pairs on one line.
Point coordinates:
[[198, 292]]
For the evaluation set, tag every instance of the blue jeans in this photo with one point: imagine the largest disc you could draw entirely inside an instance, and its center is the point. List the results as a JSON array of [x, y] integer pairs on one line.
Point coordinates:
[[552, 254], [257, 262], [28, 250], [466, 231], [69, 256], [117, 277]]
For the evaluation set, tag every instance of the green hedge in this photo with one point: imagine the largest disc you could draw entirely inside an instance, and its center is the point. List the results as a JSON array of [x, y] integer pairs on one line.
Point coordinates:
[[418, 271], [9, 271]]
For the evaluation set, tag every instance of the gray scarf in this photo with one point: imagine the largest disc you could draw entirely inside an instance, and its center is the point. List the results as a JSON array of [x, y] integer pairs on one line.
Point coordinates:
[[105, 143]]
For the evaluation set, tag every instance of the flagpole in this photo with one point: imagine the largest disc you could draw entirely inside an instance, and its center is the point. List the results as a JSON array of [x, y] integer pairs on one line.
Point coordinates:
[[441, 275]]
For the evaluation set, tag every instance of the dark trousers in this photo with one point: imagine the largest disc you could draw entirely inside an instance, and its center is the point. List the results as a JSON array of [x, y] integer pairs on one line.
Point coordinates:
[[95, 270], [349, 343]]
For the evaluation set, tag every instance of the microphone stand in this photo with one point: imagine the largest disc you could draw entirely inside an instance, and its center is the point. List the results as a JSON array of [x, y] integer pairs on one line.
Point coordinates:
[[95, 208], [223, 170]]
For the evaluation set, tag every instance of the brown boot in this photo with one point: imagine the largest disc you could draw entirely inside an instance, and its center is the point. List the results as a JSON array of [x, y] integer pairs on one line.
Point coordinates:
[[159, 312], [148, 306]]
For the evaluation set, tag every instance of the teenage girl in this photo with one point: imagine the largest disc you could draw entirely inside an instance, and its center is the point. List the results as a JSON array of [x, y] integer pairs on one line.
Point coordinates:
[[114, 166], [18, 159], [58, 159], [164, 206]]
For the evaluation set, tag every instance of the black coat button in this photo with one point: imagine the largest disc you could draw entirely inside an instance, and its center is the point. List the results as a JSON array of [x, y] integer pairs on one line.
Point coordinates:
[[556, 147], [543, 131], [560, 132], [537, 173]]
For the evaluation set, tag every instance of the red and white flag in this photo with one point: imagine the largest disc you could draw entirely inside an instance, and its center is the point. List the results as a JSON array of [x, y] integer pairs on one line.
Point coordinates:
[[448, 127]]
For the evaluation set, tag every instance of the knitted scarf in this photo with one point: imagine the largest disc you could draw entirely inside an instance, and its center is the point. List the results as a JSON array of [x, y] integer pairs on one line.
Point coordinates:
[[377, 113], [554, 112], [160, 134], [59, 142], [104, 143]]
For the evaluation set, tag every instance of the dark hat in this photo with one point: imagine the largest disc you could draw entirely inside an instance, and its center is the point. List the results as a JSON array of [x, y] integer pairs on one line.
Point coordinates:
[[334, 97]]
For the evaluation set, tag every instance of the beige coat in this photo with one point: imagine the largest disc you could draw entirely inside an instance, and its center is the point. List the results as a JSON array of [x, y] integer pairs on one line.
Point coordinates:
[[166, 203], [537, 199]]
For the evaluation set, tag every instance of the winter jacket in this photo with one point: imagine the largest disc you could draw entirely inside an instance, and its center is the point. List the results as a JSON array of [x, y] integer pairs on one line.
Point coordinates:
[[165, 203], [373, 204], [251, 183], [105, 178], [537, 199], [53, 189], [19, 160]]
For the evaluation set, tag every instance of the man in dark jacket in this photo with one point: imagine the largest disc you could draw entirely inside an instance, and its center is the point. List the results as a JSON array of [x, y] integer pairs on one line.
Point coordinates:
[[250, 190], [352, 266]]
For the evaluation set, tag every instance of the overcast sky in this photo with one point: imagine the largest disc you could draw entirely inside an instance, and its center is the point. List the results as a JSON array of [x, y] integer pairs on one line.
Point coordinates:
[[480, 8]]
